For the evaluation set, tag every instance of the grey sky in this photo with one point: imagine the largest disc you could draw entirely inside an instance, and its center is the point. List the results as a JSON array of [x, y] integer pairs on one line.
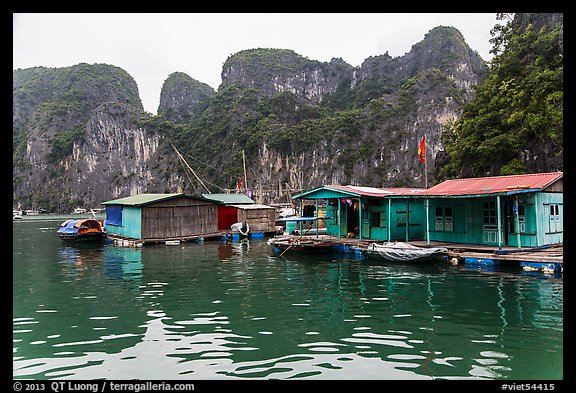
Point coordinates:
[[151, 46]]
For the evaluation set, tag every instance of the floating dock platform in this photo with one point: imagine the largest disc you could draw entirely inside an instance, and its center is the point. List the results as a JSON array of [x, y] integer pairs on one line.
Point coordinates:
[[547, 259], [131, 242]]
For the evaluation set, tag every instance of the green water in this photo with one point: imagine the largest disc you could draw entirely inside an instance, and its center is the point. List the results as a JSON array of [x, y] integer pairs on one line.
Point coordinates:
[[236, 310]]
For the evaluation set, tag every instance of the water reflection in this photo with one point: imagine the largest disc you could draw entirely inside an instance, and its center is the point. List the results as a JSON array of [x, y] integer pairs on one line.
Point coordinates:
[[235, 310], [123, 263], [79, 261]]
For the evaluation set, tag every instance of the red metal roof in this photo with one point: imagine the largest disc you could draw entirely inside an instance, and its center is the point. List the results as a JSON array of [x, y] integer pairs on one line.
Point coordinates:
[[380, 192], [495, 184]]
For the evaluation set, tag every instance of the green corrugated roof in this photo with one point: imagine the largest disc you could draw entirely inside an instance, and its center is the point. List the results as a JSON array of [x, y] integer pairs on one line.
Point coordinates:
[[229, 199], [141, 199], [325, 192]]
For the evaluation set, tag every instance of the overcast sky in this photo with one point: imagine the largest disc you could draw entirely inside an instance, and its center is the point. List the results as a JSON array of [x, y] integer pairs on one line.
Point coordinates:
[[151, 46]]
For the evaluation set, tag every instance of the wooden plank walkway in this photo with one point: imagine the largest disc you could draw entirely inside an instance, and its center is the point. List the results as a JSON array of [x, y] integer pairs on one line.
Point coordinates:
[[554, 253]]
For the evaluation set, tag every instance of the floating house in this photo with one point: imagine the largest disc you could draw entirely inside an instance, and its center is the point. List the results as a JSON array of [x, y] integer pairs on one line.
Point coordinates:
[[161, 217], [235, 208], [517, 210], [369, 212]]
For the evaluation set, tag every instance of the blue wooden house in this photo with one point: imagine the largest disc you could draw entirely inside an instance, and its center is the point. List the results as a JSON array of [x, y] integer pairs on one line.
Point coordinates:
[[160, 217]]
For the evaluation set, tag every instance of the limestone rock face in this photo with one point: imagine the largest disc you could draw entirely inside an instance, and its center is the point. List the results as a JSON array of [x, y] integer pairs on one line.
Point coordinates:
[[77, 140], [81, 136], [182, 97]]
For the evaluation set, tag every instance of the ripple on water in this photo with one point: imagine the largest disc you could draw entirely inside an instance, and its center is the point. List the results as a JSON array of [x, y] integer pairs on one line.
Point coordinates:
[[193, 314]]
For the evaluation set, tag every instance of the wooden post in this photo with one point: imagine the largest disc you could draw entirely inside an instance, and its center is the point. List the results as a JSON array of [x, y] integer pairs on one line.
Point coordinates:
[[301, 212], [407, 218], [339, 219], [316, 211], [389, 216], [499, 222], [360, 219], [427, 222], [517, 220]]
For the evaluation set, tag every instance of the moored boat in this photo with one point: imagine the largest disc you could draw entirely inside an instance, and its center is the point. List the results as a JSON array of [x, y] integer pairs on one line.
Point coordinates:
[[299, 244], [81, 230], [401, 252], [17, 214]]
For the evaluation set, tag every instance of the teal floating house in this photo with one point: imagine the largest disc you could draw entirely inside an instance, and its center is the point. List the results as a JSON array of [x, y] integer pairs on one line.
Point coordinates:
[[517, 210], [369, 212], [160, 217]]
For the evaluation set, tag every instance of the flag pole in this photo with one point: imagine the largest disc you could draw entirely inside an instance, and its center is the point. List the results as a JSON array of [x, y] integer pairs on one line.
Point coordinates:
[[425, 167], [426, 191], [245, 178]]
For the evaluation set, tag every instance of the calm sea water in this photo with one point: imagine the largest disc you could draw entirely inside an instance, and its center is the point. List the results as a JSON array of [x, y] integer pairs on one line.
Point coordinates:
[[236, 310]]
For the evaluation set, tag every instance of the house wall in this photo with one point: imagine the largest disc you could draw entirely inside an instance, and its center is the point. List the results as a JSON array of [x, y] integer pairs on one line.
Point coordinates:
[[550, 226], [259, 220], [227, 215], [375, 221], [535, 225], [179, 217], [375, 218], [332, 212], [407, 219], [527, 225], [131, 223], [470, 221], [466, 227], [173, 218]]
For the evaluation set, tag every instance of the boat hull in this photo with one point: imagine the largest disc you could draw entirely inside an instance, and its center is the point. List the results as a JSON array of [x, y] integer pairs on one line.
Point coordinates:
[[299, 245], [402, 252], [83, 230], [281, 247], [88, 237]]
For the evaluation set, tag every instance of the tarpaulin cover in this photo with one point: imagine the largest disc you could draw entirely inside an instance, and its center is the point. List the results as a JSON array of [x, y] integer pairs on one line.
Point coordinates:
[[68, 227], [113, 215]]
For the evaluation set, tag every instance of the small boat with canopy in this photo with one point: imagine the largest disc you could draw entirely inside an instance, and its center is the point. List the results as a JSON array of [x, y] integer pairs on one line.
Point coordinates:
[[81, 230]]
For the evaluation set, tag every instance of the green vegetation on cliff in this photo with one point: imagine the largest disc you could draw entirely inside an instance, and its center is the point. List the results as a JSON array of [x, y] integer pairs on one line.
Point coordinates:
[[517, 113]]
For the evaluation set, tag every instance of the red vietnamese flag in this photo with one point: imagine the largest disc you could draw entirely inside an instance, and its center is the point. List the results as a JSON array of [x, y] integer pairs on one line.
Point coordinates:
[[239, 183], [422, 150]]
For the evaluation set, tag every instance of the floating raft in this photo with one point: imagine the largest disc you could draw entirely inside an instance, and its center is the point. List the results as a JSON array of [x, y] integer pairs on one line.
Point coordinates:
[[547, 259], [131, 242]]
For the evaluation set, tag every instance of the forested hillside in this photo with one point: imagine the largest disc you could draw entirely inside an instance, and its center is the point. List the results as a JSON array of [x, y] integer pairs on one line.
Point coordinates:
[[514, 124]]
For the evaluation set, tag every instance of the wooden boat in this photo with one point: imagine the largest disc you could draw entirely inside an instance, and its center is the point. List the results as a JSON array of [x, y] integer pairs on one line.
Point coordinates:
[[401, 252], [299, 244], [81, 230]]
